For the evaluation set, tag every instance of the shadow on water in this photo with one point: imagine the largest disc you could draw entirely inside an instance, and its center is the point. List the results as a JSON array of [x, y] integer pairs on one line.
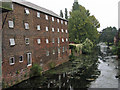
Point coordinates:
[[72, 75]]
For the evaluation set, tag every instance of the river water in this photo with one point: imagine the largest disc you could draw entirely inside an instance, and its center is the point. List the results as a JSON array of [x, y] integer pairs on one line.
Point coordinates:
[[83, 72]]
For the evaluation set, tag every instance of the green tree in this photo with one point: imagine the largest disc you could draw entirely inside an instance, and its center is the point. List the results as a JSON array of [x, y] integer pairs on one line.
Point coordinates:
[[61, 13], [75, 6], [82, 25], [108, 34], [66, 13]]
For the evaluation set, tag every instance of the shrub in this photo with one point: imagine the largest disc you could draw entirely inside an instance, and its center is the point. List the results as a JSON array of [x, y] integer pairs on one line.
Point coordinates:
[[52, 65], [36, 70]]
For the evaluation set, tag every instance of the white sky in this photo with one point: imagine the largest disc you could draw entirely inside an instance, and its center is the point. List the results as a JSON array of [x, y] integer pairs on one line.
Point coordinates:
[[106, 11]]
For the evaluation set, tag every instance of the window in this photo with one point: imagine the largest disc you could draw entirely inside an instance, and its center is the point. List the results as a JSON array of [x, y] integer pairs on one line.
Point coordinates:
[[66, 39], [65, 23], [62, 39], [66, 31], [58, 30], [12, 42], [58, 20], [53, 19], [27, 11], [12, 60], [58, 50], [29, 59], [11, 25], [61, 21], [26, 26], [27, 41], [53, 29], [46, 17], [47, 41], [47, 53], [53, 40], [62, 30], [63, 49], [38, 41], [21, 59], [46, 28], [53, 51], [58, 40], [38, 14], [38, 27]]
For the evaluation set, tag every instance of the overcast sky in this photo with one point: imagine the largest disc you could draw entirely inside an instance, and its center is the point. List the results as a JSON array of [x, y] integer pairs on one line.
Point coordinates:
[[106, 11]]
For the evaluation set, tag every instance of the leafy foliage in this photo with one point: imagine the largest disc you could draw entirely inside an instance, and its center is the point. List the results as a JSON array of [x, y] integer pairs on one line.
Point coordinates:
[[108, 34], [82, 25], [52, 65], [66, 13], [87, 46], [61, 13], [36, 70]]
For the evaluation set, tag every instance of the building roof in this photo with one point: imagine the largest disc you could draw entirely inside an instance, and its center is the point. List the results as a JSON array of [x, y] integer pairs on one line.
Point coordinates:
[[36, 7]]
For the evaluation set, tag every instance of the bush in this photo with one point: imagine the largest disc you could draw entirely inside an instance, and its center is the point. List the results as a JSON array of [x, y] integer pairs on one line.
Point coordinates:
[[36, 70], [52, 65]]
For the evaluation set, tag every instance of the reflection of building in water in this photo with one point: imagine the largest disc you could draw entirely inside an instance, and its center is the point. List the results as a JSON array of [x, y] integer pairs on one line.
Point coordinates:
[[103, 47]]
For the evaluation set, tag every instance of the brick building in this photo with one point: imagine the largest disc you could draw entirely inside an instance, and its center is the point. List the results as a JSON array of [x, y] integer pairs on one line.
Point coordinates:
[[31, 34]]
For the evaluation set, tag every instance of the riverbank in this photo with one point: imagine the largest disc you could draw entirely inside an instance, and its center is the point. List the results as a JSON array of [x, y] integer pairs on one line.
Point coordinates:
[[76, 73]]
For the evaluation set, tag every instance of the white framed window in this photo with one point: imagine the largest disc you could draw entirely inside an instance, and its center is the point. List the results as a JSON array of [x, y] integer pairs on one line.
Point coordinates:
[[58, 50], [65, 23], [21, 58], [11, 24], [27, 11], [12, 60], [27, 41], [58, 40], [46, 17], [66, 40], [26, 26], [61, 21], [38, 14], [53, 40], [66, 31], [53, 19], [62, 39], [29, 59], [53, 29], [12, 6], [38, 27], [47, 29], [38, 41], [58, 20], [62, 30], [63, 49], [12, 42], [47, 41], [53, 51], [47, 53], [58, 30]]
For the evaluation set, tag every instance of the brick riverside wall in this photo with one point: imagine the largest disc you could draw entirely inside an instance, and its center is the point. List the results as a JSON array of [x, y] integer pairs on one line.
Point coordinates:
[[10, 76]]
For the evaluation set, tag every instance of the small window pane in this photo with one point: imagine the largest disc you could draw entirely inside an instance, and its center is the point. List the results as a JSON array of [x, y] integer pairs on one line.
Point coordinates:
[[66, 31], [53, 19], [38, 27], [58, 30], [46, 28], [53, 51], [58, 40], [26, 26], [12, 60], [62, 30], [27, 40], [12, 42], [61, 21], [58, 20], [66, 39], [65, 23], [29, 59], [53, 40], [63, 49], [27, 11], [38, 14], [46, 16], [38, 41], [11, 25], [62, 39], [47, 41], [21, 59], [47, 53], [53, 29], [58, 50]]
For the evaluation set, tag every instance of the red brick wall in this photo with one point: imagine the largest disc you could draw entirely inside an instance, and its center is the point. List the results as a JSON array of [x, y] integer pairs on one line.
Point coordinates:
[[38, 51]]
